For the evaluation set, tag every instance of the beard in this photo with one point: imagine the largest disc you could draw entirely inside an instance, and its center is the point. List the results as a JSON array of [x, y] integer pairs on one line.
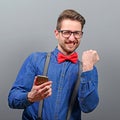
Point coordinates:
[[69, 47]]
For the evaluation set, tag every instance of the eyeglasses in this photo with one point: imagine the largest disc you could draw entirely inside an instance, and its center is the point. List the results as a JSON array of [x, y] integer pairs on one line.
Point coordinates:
[[67, 33]]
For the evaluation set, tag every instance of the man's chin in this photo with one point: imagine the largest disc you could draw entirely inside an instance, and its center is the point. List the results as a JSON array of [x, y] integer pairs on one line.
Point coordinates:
[[70, 50]]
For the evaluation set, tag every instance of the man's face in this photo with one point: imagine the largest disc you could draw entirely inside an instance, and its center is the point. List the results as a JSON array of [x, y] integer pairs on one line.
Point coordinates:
[[68, 44]]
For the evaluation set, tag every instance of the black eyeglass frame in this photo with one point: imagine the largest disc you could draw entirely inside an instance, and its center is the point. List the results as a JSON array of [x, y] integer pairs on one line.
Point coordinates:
[[71, 32]]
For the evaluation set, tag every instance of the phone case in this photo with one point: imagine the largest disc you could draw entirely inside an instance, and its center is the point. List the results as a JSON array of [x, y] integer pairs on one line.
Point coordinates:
[[41, 79]]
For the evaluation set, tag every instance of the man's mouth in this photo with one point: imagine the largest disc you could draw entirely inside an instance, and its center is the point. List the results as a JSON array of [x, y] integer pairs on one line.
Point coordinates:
[[71, 42]]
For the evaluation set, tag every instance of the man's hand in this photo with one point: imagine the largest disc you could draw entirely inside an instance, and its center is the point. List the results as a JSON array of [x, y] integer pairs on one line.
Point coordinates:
[[89, 58], [39, 92]]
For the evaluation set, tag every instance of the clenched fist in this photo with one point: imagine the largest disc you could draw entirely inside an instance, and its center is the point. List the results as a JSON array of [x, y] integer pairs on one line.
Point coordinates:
[[89, 58]]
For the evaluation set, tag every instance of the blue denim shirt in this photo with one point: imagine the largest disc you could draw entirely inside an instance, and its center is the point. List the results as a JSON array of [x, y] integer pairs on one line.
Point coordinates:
[[63, 77]]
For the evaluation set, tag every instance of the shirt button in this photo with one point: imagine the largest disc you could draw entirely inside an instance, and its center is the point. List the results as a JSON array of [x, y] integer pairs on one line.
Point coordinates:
[[60, 88], [62, 75], [56, 117], [58, 102]]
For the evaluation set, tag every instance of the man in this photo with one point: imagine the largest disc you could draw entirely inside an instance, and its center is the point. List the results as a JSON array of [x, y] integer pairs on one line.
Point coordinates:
[[62, 74]]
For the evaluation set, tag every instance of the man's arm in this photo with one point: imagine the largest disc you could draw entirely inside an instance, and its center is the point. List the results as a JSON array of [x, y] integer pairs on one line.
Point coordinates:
[[88, 94], [17, 97]]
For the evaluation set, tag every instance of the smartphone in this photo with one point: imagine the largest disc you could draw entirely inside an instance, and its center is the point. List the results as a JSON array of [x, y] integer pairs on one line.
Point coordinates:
[[41, 79]]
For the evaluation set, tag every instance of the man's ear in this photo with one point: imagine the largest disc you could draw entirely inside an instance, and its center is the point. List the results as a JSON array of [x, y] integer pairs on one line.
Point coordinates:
[[56, 34]]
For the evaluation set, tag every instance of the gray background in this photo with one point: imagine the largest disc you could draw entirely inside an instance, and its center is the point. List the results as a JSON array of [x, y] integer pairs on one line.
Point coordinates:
[[27, 26]]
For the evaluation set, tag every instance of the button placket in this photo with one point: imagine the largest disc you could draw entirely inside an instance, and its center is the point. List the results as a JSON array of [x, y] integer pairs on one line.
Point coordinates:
[[59, 92]]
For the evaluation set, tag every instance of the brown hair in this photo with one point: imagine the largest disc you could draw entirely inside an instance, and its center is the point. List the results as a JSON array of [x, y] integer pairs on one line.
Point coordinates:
[[70, 14]]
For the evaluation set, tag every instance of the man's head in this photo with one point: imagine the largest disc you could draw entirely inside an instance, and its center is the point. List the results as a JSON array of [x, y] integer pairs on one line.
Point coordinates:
[[72, 15], [69, 31]]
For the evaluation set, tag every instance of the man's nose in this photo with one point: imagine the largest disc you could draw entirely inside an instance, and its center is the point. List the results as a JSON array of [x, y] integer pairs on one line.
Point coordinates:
[[72, 37]]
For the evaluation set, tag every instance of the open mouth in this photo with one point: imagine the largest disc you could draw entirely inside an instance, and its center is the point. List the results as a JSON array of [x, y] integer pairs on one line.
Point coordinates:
[[71, 42]]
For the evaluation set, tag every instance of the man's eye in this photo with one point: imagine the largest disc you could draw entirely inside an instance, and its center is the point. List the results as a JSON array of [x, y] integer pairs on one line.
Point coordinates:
[[66, 32], [77, 33]]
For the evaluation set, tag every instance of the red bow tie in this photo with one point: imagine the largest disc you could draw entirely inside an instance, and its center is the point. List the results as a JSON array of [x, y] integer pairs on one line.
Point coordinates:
[[73, 57]]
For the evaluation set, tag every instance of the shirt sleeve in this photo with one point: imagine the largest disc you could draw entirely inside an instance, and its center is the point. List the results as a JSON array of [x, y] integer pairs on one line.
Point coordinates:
[[17, 97], [88, 91]]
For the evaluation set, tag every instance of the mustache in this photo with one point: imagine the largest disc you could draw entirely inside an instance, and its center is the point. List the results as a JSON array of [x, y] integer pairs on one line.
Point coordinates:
[[68, 42]]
